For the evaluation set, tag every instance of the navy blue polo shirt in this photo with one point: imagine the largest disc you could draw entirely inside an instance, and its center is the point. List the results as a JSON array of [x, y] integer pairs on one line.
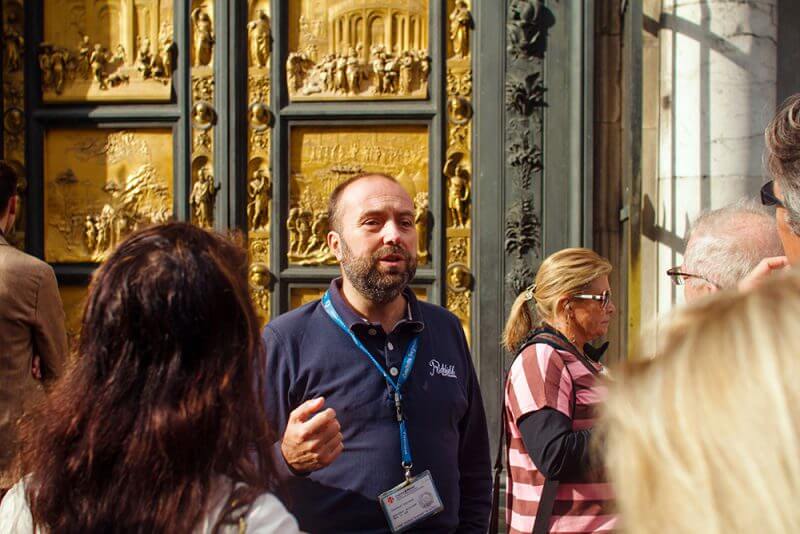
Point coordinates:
[[310, 356]]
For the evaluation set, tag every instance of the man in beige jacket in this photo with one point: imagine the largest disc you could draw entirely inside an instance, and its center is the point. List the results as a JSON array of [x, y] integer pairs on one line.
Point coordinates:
[[33, 341]]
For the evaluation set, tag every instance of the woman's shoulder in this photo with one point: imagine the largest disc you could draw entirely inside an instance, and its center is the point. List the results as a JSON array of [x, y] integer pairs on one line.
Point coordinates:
[[269, 515], [540, 355], [15, 514], [266, 515]]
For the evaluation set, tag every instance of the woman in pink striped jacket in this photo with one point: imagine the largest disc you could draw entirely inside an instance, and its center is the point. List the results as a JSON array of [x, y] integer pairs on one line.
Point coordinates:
[[552, 392]]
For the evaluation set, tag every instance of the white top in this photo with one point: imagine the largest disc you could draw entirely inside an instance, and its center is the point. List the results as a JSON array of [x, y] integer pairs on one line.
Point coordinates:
[[267, 515]]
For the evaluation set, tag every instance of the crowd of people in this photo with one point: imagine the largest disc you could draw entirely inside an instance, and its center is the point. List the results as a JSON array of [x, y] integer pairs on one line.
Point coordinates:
[[362, 412]]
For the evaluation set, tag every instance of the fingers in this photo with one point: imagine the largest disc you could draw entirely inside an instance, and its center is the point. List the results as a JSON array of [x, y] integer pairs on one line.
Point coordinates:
[[762, 271], [329, 454], [778, 262], [304, 412], [321, 422]]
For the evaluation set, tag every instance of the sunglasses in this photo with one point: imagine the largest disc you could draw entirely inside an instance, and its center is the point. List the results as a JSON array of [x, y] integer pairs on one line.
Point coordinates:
[[679, 277], [603, 298], [768, 197]]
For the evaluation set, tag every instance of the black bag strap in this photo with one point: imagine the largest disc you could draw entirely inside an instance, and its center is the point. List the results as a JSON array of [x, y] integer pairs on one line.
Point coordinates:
[[544, 511]]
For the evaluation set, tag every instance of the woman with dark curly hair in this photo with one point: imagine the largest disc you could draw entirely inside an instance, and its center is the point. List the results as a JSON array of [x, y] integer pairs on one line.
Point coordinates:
[[159, 426]]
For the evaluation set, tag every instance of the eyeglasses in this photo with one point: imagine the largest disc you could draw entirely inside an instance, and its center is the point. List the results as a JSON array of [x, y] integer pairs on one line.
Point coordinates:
[[604, 298], [768, 197], [679, 277]]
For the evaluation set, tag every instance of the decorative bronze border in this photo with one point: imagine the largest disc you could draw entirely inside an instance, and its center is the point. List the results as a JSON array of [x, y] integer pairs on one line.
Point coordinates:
[[524, 104], [458, 162]]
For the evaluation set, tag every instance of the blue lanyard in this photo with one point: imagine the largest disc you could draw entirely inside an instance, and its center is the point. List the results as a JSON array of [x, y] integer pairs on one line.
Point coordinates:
[[397, 386]]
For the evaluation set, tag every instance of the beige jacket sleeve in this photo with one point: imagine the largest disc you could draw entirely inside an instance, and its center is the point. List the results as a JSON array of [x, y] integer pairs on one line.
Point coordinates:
[[49, 329]]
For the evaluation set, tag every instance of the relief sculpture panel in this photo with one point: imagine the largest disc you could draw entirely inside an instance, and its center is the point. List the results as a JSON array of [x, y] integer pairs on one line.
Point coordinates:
[[358, 50], [259, 173], [14, 107], [322, 157], [107, 50], [100, 185]]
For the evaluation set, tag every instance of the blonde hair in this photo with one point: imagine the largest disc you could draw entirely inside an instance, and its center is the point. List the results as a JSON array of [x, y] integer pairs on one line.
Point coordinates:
[[704, 437], [565, 272]]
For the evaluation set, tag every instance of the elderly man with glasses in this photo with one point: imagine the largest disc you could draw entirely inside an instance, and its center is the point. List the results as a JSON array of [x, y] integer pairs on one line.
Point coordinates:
[[725, 245]]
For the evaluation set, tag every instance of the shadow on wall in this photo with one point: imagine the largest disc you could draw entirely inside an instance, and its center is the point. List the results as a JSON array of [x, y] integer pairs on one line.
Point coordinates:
[[651, 230]]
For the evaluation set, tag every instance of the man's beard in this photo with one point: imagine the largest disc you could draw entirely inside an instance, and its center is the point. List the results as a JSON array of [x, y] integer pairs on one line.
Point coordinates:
[[367, 277]]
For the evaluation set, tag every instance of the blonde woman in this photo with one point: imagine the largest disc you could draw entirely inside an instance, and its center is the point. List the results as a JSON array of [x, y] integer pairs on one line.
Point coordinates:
[[551, 395], [704, 437]]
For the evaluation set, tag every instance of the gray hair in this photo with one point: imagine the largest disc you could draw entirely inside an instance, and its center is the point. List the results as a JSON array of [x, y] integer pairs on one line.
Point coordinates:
[[725, 244]]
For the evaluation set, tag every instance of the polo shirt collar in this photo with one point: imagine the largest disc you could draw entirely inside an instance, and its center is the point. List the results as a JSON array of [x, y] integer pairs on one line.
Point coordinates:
[[350, 318]]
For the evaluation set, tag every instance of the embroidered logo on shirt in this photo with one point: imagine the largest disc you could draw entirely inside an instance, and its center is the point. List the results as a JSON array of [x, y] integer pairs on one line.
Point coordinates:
[[442, 369]]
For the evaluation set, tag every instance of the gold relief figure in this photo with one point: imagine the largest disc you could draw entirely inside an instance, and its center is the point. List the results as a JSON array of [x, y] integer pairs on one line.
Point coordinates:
[[203, 37], [460, 22], [259, 285], [459, 278], [260, 39], [53, 62], [204, 194], [458, 196], [203, 115], [296, 66], [13, 43], [291, 228], [421, 218], [259, 191], [144, 57], [84, 55], [90, 233], [167, 57], [98, 60], [406, 66], [459, 110]]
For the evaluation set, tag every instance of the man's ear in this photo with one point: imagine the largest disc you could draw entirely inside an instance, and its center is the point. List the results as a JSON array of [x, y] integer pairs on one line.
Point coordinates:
[[335, 244], [12, 206]]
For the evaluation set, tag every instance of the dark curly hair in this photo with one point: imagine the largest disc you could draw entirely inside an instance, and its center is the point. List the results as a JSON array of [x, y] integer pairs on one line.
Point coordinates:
[[165, 395]]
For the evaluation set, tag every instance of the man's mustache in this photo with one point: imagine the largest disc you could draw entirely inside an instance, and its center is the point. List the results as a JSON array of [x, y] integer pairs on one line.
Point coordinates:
[[390, 249]]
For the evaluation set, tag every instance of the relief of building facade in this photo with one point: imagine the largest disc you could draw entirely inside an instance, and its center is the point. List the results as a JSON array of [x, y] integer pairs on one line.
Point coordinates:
[[358, 50], [107, 50]]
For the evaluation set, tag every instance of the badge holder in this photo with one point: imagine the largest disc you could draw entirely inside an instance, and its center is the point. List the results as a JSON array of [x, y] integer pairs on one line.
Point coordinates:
[[410, 502]]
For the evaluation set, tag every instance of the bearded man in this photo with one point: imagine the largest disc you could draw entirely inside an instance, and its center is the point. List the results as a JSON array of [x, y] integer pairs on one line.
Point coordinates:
[[372, 392]]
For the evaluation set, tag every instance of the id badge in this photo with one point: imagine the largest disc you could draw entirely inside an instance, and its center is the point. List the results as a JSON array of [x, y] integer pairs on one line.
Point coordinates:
[[411, 502]]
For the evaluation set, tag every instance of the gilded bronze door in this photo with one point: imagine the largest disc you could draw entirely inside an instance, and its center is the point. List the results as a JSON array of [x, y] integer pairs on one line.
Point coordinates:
[[239, 115]]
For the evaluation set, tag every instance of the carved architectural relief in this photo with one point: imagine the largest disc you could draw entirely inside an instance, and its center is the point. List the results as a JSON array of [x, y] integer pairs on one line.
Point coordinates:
[[524, 102], [371, 49], [457, 169], [323, 157], [14, 106], [259, 170], [100, 185], [105, 50]]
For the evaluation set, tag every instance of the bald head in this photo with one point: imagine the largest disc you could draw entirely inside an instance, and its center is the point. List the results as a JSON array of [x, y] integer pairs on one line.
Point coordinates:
[[724, 245], [334, 203]]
